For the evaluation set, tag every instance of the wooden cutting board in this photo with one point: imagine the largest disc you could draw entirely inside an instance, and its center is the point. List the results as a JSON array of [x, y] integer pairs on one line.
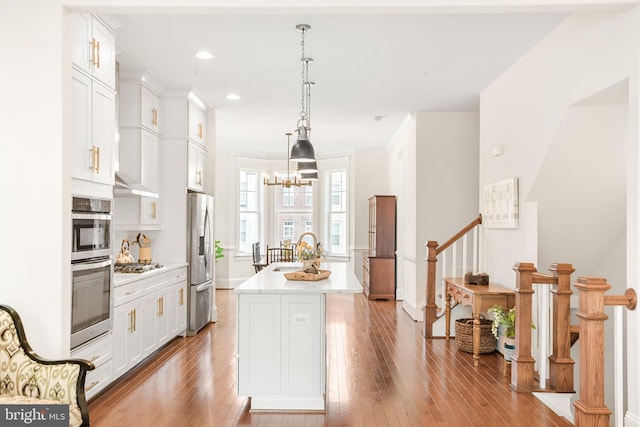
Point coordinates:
[[309, 277]]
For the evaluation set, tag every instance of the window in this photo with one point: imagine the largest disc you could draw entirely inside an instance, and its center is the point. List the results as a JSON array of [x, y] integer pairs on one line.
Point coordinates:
[[249, 198], [287, 230], [337, 224], [294, 212], [308, 196], [288, 197]]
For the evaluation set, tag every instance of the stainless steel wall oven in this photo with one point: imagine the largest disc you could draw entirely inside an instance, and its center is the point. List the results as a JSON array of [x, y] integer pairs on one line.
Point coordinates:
[[92, 269]]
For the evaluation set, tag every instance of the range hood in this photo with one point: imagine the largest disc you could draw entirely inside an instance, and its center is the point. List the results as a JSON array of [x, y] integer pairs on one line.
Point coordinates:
[[126, 186]]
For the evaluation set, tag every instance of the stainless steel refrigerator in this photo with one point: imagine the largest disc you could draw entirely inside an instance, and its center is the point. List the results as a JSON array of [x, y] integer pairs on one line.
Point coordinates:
[[200, 254]]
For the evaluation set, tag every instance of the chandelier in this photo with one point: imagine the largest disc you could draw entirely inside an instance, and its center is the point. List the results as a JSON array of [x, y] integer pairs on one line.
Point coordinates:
[[302, 150], [292, 181]]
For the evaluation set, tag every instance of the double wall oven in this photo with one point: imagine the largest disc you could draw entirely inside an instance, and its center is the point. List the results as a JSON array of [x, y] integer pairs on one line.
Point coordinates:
[[92, 269]]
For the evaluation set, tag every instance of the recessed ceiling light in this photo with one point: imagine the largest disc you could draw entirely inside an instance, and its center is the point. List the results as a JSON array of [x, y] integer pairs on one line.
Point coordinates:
[[203, 54], [233, 96]]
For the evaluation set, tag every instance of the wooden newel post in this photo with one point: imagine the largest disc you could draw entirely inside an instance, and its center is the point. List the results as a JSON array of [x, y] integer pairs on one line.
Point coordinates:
[[590, 408], [522, 364], [560, 362], [431, 309]]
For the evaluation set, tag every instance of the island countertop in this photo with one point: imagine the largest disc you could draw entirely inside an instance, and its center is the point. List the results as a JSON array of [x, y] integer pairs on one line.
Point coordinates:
[[271, 280]]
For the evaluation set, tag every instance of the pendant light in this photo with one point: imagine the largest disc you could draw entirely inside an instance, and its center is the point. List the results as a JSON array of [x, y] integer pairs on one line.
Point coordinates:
[[307, 167], [302, 150], [289, 181]]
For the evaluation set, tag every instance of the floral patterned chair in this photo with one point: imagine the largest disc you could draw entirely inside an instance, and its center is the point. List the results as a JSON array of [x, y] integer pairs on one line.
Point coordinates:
[[26, 378]]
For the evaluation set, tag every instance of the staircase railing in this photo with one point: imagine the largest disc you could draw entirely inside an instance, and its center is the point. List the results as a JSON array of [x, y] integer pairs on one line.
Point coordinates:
[[558, 327], [456, 261], [590, 409]]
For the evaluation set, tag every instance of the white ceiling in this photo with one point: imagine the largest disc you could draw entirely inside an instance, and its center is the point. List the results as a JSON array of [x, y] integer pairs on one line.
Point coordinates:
[[365, 66]]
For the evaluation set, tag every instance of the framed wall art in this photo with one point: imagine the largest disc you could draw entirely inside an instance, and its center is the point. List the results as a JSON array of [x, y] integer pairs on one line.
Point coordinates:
[[501, 208]]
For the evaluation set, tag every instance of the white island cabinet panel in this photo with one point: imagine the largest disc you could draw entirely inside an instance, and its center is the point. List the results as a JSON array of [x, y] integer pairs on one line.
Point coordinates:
[[281, 337], [261, 320]]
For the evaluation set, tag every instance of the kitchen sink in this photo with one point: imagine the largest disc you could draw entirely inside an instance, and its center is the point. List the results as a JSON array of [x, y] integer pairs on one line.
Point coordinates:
[[288, 268]]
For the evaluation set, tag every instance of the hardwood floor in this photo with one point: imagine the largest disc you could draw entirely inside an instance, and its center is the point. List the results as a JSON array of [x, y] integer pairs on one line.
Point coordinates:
[[381, 372]]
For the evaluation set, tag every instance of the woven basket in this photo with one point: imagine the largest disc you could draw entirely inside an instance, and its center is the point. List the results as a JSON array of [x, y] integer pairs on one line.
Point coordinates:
[[464, 335]]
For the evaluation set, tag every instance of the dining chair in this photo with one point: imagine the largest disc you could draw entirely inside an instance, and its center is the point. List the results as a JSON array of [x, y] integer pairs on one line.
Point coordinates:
[[257, 257], [279, 255]]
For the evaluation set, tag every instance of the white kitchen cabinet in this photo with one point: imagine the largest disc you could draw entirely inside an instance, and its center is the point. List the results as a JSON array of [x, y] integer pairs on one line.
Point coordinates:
[[196, 158], [287, 332], [93, 130], [127, 337], [185, 122], [139, 155], [93, 48], [140, 106], [99, 352], [196, 124], [177, 305], [138, 152], [282, 359], [149, 211], [148, 324], [146, 316]]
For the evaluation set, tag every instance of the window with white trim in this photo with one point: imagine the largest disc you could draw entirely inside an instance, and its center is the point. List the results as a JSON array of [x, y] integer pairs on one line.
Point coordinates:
[[249, 209], [337, 218], [294, 213]]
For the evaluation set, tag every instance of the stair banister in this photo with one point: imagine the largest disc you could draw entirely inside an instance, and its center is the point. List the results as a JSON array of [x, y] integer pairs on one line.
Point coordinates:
[[433, 250], [590, 408], [560, 362]]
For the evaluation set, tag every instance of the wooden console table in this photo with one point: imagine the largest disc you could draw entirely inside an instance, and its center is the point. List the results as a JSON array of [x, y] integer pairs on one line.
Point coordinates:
[[480, 298]]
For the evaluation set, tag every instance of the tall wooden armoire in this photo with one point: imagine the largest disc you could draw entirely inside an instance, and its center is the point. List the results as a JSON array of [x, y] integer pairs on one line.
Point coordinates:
[[379, 263]]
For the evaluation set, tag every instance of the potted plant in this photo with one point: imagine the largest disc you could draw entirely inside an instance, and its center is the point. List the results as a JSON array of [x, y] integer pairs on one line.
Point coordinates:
[[507, 319], [218, 250]]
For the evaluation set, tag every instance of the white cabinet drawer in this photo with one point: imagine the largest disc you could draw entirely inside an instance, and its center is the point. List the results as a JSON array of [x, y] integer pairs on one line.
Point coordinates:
[[178, 275], [97, 351], [97, 380], [128, 292]]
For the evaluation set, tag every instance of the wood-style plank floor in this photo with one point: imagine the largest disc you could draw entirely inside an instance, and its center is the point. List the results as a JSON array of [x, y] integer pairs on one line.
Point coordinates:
[[381, 372]]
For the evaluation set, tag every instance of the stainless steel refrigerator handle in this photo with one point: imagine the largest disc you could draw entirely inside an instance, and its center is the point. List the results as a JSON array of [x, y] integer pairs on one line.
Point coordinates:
[[203, 286]]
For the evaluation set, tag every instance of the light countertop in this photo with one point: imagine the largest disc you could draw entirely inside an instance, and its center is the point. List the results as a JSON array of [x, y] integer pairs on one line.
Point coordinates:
[[124, 278], [271, 280]]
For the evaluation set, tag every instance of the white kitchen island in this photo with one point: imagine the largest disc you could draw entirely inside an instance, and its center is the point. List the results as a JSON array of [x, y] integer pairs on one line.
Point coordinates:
[[282, 356]]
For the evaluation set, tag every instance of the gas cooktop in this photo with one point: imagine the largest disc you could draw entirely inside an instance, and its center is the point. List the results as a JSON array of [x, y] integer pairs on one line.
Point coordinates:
[[135, 267]]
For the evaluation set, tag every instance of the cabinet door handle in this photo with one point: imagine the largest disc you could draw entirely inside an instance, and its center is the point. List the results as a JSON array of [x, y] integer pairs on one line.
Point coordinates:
[[92, 59], [154, 116], [98, 160], [181, 296], [159, 309], [200, 127], [154, 213], [93, 384], [199, 177], [98, 55], [162, 306], [131, 321], [134, 320], [92, 150]]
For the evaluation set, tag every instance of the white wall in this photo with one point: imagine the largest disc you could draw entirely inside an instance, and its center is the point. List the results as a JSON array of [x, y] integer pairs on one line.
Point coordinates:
[[402, 182], [434, 162], [523, 111], [369, 177], [35, 173]]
